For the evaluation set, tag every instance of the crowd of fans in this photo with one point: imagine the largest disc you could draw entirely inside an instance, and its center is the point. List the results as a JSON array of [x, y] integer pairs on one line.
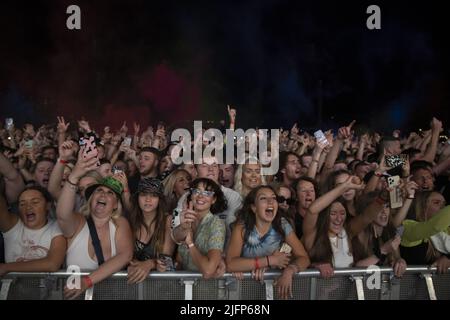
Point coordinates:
[[334, 203]]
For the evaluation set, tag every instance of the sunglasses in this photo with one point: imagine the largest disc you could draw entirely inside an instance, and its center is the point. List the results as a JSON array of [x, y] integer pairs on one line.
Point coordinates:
[[282, 199], [205, 193]]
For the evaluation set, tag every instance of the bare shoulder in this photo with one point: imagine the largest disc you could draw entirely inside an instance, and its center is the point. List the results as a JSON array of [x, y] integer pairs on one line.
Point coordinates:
[[122, 222]]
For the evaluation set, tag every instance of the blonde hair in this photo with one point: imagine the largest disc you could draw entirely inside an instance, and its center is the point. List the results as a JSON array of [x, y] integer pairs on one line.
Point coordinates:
[[238, 187], [85, 210], [169, 185]]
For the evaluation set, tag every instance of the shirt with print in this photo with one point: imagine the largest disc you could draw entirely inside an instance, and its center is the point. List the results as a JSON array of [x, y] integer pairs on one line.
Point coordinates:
[[209, 235], [258, 246], [24, 244]]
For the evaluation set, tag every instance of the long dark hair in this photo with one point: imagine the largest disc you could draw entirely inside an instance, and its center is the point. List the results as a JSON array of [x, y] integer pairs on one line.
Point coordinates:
[[247, 217], [137, 221], [321, 250], [364, 249]]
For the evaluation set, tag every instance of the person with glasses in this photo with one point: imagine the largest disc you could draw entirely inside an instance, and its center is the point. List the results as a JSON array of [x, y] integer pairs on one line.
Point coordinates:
[[209, 168], [205, 231], [257, 237]]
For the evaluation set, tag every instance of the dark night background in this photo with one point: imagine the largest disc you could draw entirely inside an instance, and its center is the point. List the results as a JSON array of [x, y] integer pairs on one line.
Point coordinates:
[[276, 61]]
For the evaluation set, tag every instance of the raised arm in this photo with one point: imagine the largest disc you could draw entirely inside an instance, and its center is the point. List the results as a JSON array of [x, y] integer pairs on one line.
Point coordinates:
[[415, 231], [61, 130], [436, 128], [14, 184], [54, 183], [313, 167], [363, 219], [68, 220], [312, 214], [232, 117], [343, 133], [410, 188], [7, 220]]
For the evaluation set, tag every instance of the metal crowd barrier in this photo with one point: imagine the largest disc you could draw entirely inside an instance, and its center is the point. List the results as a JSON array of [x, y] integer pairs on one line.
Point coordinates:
[[418, 282]]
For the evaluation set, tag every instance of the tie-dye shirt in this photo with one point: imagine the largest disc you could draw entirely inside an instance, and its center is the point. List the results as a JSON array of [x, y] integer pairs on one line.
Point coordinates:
[[257, 246]]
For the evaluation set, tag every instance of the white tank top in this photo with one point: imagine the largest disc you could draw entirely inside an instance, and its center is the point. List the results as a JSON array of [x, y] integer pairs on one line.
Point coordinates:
[[342, 256], [78, 253]]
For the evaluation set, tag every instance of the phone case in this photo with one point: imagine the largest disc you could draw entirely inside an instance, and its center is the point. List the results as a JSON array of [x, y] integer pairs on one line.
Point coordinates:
[[395, 195], [168, 261], [127, 141], [320, 136], [285, 248]]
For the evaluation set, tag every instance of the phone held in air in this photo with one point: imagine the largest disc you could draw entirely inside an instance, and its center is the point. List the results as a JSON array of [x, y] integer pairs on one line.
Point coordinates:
[[90, 147], [395, 194], [320, 137]]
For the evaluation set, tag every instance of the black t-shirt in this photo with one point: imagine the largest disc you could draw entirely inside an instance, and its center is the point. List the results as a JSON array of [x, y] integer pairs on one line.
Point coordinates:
[[298, 221], [415, 255]]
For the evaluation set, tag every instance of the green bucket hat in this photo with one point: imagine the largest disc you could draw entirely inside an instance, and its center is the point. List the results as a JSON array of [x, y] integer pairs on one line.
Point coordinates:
[[109, 182]]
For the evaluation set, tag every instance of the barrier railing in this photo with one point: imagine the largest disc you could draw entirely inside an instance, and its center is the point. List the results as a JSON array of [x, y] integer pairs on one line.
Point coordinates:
[[418, 282]]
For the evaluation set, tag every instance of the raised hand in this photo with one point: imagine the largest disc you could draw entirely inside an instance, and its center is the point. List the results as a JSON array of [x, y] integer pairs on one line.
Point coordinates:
[[410, 188], [436, 125], [62, 125], [353, 182], [188, 215], [85, 163], [124, 128], [231, 113], [66, 150], [294, 129], [346, 132], [137, 128]]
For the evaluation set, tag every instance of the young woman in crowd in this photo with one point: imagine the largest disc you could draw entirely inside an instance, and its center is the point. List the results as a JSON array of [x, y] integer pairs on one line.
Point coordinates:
[[150, 224], [426, 236], [378, 244], [337, 178], [247, 177], [175, 185], [257, 236], [204, 243], [326, 233], [99, 217]]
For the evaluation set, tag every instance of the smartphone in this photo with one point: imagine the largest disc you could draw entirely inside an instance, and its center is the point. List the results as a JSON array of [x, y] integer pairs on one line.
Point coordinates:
[[116, 170], [127, 141], [9, 122], [395, 195], [399, 231], [285, 248], [176, 220], [91, 148], [320, 137], [168, 261], [29, 144], [395, 160]]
